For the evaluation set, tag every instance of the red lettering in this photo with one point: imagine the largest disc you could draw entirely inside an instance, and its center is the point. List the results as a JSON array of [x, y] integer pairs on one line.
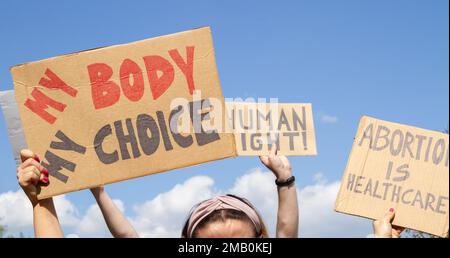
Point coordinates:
[[186, 67], [135, 91], [104, 92], [56, 83], [158, 85], [41, 103], [160, 75]]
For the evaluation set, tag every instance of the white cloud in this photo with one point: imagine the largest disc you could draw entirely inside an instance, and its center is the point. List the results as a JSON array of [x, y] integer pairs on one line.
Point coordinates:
[[15, 211], [259, 188], [17, 214], [327, 119], [92, 224], [317, 215], [316, 206], [319, 178], [66, 210], [164, 215]]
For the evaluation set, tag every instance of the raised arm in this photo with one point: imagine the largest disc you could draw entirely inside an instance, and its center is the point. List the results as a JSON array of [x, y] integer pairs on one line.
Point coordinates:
[[118, 225], [29, 175], [287, 218]]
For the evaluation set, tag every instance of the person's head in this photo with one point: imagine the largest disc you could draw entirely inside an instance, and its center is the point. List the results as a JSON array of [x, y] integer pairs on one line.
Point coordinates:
[[224, 216]]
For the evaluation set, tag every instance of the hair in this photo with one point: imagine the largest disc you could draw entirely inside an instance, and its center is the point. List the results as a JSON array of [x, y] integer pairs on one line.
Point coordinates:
[[224, 215]]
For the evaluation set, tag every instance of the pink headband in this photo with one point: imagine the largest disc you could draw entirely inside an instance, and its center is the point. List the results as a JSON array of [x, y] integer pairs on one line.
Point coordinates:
[[221, 203]]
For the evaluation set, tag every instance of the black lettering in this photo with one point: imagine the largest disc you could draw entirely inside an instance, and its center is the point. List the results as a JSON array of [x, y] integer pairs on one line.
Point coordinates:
[[298, 121], [124, 139], [163, 129], [396, 151], [105, 158], [145, 123], [182, 141], [55, 164], [203, 137], [381, 136], [66, 144]]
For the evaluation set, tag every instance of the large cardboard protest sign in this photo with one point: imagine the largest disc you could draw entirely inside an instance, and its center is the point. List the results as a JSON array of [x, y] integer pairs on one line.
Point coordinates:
[[401, 167], [257, 126], [104, 115]]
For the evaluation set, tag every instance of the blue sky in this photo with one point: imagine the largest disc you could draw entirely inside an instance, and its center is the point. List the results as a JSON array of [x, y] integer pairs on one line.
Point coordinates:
[[387, 59]]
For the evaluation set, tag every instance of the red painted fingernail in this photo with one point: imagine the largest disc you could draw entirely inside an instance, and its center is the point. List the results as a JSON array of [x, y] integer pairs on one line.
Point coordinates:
[[36, 157], [45, 179], [391, 210], [44, 171]]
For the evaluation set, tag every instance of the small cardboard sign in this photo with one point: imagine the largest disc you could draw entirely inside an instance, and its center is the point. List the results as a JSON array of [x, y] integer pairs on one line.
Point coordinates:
[[104, 115], [401, 167], [257, 126]]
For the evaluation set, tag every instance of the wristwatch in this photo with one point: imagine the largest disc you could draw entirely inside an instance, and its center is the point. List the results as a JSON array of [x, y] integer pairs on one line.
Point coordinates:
[[286, 182]]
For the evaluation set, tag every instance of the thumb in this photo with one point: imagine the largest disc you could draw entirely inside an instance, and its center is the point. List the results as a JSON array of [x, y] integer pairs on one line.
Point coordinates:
[[264, 160], [26, 154], [389, 216]]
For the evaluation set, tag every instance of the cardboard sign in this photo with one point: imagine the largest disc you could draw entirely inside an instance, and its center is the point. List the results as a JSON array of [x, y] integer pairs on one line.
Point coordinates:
[[257, 126], [103, 115], [401, 167]]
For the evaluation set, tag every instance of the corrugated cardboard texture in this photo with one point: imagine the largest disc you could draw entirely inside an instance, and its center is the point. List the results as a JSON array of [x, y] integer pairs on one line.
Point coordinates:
[[401, 167], [79, 118]]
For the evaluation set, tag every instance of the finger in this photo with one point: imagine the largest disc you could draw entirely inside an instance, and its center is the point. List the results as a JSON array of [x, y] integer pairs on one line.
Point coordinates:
[[26, 154], [273, 150], [41, 172], [28, 162], [273, 153], [25, 173], [44, 178], [398, 229], [35, 171], [30, 176], [396, 233], [264, 160], [98, 189], [36, 157], [32, 162], [285, 161], [389, 216]]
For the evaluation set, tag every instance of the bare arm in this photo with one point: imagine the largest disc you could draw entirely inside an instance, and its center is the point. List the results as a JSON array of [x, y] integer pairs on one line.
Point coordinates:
[[45, 220], [29, 175], [118, 225], [287, 217]]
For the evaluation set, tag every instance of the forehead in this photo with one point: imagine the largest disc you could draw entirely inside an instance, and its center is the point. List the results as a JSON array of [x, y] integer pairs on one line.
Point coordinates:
[[226, 229]]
